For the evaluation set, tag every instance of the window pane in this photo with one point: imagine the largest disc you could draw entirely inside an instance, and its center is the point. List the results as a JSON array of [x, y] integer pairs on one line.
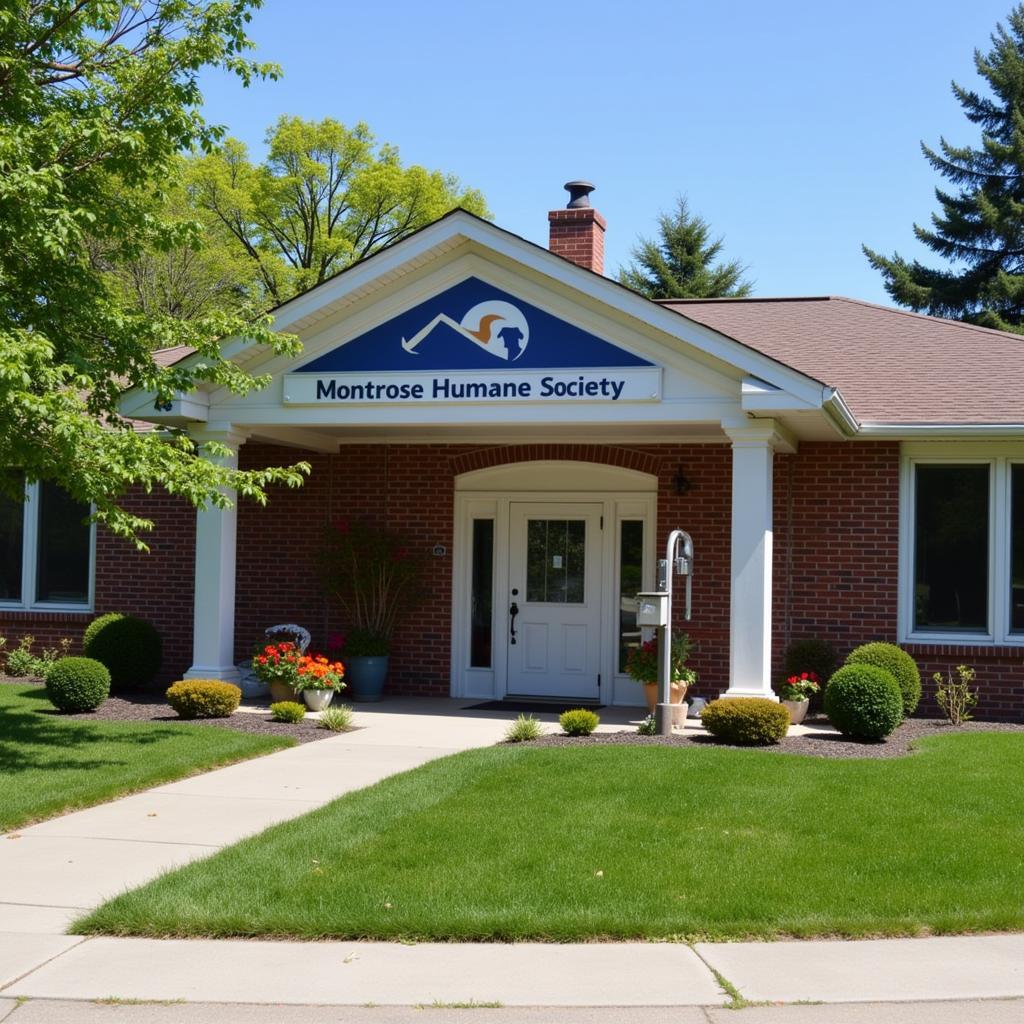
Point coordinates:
[[62, 553], [951, 548], [631, 573], [1017, 549], [482, 593], [555, 560], [12, 522]]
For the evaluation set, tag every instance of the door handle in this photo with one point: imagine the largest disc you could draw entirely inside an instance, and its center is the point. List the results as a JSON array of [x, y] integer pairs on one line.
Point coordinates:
[[513, 612]]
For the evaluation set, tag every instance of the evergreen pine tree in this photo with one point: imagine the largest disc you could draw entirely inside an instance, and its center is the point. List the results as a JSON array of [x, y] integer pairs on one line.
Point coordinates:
[[681, 263], [980, 230]]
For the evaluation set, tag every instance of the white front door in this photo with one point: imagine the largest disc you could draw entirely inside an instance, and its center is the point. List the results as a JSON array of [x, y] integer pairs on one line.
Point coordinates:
[[555, 583]]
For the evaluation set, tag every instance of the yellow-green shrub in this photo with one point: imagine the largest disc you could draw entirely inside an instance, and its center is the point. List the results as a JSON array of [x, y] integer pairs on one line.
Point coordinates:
[[578, 722], [289, 711], [204, 698], [746, 721]]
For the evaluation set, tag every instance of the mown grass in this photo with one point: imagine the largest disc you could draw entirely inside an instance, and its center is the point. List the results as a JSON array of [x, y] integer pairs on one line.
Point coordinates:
[[50, 764], [576, 843]]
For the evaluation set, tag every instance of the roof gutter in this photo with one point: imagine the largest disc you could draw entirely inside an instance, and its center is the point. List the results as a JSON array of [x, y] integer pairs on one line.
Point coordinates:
[[925, 431], [834, 406]]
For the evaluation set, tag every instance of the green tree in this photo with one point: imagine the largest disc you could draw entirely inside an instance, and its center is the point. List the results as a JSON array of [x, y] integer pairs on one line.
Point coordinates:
[[97, 98], [203, 273], [325, 196], [980, 230], [683, 262]]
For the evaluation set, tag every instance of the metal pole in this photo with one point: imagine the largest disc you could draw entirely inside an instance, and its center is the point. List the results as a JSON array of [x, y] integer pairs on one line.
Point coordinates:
[[663, 712]]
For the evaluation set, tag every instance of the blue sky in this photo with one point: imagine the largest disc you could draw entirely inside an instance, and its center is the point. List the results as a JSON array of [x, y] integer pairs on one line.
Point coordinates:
[[793, 127]]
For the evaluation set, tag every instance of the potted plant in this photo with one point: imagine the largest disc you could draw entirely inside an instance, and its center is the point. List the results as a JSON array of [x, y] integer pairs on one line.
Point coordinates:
[[642, 665], [796, 693], [277, 666], [374, 577], [318, 680]]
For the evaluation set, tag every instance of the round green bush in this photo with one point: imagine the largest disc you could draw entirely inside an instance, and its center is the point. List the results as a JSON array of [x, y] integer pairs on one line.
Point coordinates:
[[204, 698], [77, 684], [130, 647], [864, 702], [900, 665], [578, 722], [817, 656], [289, 711], [746, 721]]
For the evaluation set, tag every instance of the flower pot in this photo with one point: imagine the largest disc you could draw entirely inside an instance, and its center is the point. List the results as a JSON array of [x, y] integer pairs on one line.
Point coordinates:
[[317, 700], [797, 709], [679, 713], [281, 691], [365, 677], [651, 696]]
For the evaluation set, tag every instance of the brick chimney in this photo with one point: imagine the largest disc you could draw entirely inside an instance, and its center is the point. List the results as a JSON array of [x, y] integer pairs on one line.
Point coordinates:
[[577, 232]]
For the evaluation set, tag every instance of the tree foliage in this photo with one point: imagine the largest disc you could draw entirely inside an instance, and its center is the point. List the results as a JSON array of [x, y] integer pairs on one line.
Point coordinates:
[[980, 229], [97, 99], [684, 261], [325, 196]]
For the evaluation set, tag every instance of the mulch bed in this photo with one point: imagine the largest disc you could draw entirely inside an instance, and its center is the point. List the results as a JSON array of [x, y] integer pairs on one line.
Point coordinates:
[[151, 707], [830, 745]]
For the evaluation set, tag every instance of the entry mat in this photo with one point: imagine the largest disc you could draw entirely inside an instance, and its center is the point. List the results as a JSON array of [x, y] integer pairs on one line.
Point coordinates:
[[552, 706]]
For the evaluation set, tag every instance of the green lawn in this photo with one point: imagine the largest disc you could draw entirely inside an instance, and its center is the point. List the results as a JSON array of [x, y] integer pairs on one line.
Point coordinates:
[[50, 764], [626, 842]]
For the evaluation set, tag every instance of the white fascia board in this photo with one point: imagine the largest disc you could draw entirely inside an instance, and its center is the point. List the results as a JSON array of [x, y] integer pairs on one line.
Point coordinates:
[[926, 431]]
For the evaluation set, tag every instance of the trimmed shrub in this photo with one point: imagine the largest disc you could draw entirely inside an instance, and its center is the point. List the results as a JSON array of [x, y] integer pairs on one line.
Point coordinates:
[[77, 684], [900, 665], [523, 729], [813, 655], [746, 721], [337, 718], [864, 702], [204, 698], [578, 722], [130, 647], [287, 711]]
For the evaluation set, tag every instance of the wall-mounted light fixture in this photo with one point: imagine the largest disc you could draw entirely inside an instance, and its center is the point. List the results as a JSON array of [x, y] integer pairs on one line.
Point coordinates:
[[680, 482]]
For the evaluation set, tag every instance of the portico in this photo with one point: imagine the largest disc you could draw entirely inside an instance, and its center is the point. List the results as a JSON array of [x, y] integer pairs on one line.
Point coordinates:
[[463, 345]]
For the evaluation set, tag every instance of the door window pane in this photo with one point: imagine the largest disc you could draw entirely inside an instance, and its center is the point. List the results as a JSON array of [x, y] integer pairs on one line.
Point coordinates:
[[12, 524], [482, 593], [951, 553], [62, 553], [555, 560], [631, 574], [1017, 549]]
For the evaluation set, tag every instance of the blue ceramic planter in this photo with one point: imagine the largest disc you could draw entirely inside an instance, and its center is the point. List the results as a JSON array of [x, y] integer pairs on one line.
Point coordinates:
[[365, 677]]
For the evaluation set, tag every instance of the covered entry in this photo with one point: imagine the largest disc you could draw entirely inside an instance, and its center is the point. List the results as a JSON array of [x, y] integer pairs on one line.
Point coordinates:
[[544, 595]]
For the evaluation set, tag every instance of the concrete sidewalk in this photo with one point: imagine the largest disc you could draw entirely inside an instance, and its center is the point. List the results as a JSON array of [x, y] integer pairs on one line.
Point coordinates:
[[987, 967]]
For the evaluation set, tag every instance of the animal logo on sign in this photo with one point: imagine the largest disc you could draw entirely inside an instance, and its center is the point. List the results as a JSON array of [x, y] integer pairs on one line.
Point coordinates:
[[497, 327]]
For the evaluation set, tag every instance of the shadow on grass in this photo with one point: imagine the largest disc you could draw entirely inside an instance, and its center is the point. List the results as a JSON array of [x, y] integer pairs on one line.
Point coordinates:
[[29, 738]]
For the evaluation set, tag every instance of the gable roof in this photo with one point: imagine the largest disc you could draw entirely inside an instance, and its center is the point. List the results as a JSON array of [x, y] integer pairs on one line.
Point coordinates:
[[892, 366]]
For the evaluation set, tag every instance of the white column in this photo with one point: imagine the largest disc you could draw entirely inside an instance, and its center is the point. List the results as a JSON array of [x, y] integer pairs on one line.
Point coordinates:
[[213, 636], [750, 621]]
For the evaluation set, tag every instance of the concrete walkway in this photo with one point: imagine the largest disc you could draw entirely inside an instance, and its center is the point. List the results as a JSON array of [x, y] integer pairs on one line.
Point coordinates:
[[51, 872]]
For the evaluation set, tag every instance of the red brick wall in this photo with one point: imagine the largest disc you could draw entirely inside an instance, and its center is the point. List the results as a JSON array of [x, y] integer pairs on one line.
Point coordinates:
[[578, 235], [835, 558], [157, 585]]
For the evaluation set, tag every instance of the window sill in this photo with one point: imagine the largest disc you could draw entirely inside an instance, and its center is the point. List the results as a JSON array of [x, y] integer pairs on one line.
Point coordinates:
[[46, 612], [964, 647]]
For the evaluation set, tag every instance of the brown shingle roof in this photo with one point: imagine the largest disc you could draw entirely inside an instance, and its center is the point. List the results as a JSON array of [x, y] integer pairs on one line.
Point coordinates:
[[890, 365]]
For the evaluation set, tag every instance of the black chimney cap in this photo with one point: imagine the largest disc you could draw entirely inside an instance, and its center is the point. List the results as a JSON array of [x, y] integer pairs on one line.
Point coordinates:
[[579, 194]]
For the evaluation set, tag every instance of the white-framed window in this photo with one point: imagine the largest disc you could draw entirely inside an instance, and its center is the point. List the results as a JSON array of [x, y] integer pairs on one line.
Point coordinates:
[[962, 544], [47, 551]]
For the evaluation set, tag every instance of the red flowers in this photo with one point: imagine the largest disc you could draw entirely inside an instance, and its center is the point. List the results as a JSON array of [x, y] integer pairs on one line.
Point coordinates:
[[800, 687]]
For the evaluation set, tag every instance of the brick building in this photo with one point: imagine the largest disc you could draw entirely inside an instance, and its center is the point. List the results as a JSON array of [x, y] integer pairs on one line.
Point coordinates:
[[534, 430]]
